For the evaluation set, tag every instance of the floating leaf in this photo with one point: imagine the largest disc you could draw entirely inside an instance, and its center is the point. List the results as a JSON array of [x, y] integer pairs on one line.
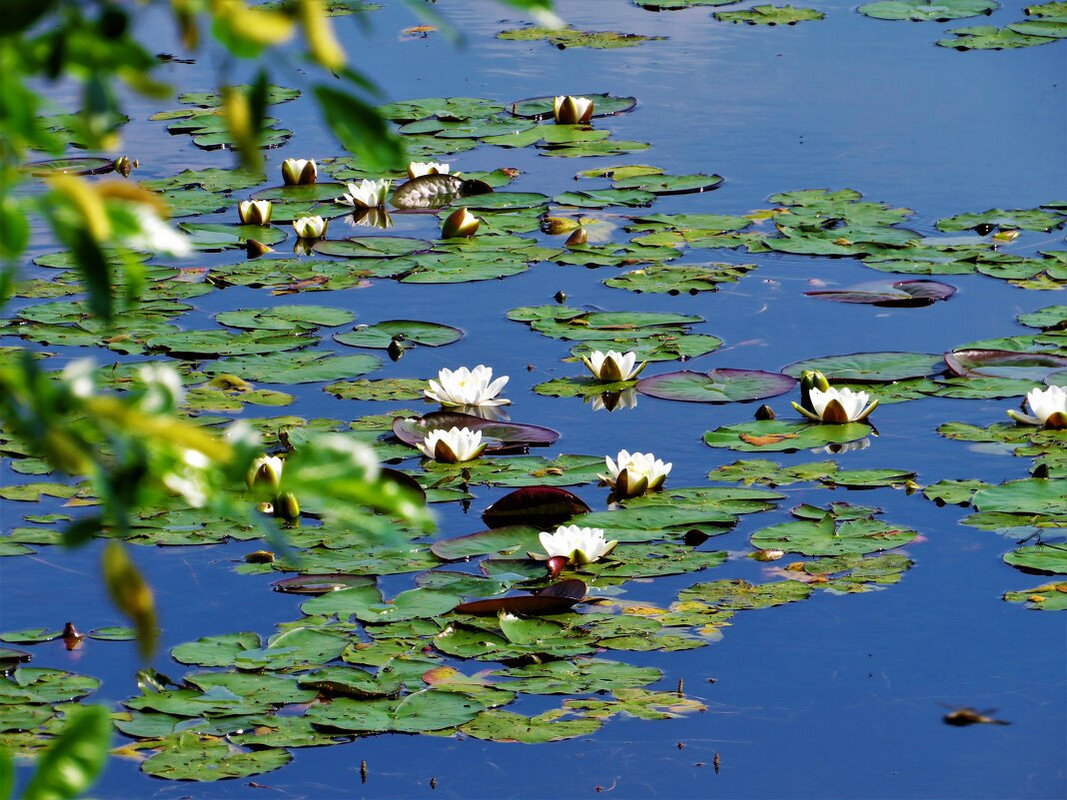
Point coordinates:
[[506, 726], [783, 435], [603, 105], [539, 506], [430, 710], [825, 538], [769, 15], [716, 386], [293, 318], [676, 279], [194, 758], [1040, 558], [563, 38], [897, 294], [407, 332], [554, 599], [1049, 597], [293, 368], [870, 367], [927, 10]]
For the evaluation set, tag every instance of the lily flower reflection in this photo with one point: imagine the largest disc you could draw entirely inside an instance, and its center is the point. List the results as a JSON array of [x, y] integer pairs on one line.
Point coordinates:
[[452, 446], [467, 387], [1049, 407], [612, 401], [633, 474], [578, 545], [370, 218]]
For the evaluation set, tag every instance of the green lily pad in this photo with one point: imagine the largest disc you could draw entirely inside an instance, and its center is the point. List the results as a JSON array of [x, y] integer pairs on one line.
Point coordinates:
[[783, 435], [407, 332], [870, 367], [1049, 597], [190, 758], [366, 604], [988, 37], [603, 105], [674, 280], [378, 389], [1041, 558], [42, 685], [507, 540], [769, 15], [372, 247], [583, 676], [431, 710], [1027, 219], [295, 318], [1026, 496], [293, 368], [737, 595], [215, 236], [669, 184], [927, 10], [30, 636], [506, 726], [825, 538], [563, 38], [716, 386]]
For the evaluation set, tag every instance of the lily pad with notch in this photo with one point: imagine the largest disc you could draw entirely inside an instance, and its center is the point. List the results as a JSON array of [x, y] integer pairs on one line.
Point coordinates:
[[716, 386], [218, 236], [292, 368], [669, 184], [562, 38], [293, 318], [373, 247], [407, 332], [676, 279], [769, 15], [503, 437], [554, 599], [878, 367], [1046, 557], [927, 10]]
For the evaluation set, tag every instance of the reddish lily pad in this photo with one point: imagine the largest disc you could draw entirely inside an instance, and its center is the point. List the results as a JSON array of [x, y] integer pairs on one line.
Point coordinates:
[[897, 294], [503, 437], [539, 506], [554, 599], [716, 386], [1004, 363]]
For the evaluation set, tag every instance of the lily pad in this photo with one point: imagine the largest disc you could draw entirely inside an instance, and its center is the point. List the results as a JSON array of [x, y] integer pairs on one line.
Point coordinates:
[[407, 332], [293, 368], [716, 386], [1049, 597], [431, 710], [293, 318], [769, 15], [669, 184], [895, 294], [192, 758], [506, 726], [539, 506], [783, 435], [1026, 496], [676, 279], [928, 10], [989, 37], [562, 38], [870, 367], [1040, 558], [603, 105], [1033, 366], [826, 538], [372, 247]]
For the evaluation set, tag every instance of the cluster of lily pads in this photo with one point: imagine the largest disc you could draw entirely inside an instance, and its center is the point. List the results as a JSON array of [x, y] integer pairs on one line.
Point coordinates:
[[550, 590]]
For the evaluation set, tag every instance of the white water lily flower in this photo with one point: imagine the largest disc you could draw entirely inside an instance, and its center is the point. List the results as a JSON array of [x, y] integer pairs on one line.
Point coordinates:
[[164, 390], [633, 474], [298, 171], [569, 110], [578, 545], [452, 446], [265, 469], [837, 406], [367, 193], [254, 212], [467, 387], [416, 169], [613, 366], [310, 227], [1049, 407], [460, 222], [80, 377], [156, 236]]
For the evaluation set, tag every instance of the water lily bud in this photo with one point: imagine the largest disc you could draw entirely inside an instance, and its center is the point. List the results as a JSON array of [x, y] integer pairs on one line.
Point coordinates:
[[123, 166], [768, 554], [72, 637], [260, 557], [299, 171], [460, 222], [810, 379], [555, 566], [255, 248], [560, 296], [286, 507], [1005, 236], [395, 350], [557, 226], [764, 412], [578, 238], [266, 470], [254, 212], [569, 110], [310, 227], [416, 169]]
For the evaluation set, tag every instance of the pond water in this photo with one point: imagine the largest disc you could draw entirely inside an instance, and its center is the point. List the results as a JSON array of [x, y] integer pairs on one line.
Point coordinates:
[[840, 695]]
